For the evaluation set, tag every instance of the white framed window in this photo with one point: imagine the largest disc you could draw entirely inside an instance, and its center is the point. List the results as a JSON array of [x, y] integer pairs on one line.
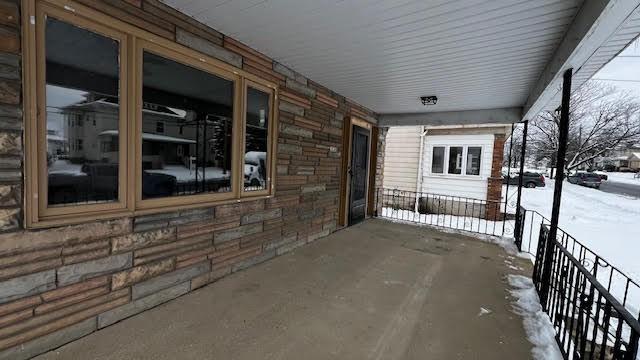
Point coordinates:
[[457, 160]]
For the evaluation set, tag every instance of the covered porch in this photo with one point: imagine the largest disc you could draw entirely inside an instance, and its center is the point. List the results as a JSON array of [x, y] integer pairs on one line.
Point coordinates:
[[376, 290]]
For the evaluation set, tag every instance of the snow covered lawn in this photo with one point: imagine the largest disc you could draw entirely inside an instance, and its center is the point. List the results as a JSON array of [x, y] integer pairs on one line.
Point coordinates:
[[605, 223], [608, 224], [627, 178]]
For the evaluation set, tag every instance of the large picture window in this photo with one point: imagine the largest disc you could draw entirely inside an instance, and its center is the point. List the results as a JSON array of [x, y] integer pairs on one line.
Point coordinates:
[[82, 82], [123, 121], [187, 120]]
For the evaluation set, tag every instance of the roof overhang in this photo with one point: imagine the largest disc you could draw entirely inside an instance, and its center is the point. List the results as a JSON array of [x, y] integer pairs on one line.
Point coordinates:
[[483, 59]]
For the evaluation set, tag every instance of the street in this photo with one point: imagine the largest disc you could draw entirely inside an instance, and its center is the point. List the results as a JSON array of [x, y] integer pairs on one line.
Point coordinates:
[[620, 188]]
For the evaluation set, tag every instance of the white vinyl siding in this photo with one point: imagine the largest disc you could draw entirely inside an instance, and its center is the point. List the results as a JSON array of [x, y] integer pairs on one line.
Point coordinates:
[[472, 186], [402, 148]]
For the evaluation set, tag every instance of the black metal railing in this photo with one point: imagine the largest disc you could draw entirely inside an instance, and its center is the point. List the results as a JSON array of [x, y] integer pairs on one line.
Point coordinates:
[[590, 322], [452, 212]]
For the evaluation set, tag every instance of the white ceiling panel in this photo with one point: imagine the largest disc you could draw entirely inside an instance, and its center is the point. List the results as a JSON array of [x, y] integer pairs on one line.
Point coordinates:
[[385, 54]]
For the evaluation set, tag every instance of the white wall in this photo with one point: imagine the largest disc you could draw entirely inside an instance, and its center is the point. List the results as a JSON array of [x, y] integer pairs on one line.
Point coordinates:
[[458, 185], [402, 148]]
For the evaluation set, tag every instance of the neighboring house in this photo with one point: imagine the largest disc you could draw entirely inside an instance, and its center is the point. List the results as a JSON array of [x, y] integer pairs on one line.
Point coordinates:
[[454, 161], [621, 159]]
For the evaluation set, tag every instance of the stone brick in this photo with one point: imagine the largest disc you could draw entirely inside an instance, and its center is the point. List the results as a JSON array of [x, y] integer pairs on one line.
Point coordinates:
[[301, 88], [75, 288], [253, 260], [51, 341], [77, 272], [9, 40], [197, 43], [10, 92], [9, 66], [61, 235], [15, 317], [291, 108], [10, 195], [18, 305], [261, 216], [26, 285], [313, 188], [289, 149], [142, 272], [279, 68], [290, 246], [9, 13], [122, 312], [168, 280], [137, 240], [9, 219], [70, 300], [295, 130], [236, 233], [39, 326]]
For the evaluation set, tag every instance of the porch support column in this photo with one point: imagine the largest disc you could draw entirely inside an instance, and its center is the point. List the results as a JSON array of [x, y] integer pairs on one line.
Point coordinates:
[[557, 192], [523, 151]]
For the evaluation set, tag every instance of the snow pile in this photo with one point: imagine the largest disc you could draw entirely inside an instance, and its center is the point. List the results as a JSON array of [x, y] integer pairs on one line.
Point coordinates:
[[537, 325]]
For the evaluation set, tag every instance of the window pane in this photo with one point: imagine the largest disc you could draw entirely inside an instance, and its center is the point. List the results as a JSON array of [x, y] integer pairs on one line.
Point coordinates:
[[437, 160], [455, 160], [187, 116], [82, 112], [473, 160], [256, 136]]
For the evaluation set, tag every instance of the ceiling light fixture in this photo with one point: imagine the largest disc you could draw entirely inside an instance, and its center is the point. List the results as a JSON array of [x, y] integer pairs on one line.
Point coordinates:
[[429, 100]]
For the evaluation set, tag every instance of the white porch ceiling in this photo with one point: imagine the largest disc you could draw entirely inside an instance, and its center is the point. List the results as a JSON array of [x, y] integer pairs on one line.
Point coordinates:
[[385, 54]]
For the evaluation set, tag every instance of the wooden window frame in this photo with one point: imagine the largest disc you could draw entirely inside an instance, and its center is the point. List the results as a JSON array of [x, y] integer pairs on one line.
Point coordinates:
[[270, 138], [133, 41]]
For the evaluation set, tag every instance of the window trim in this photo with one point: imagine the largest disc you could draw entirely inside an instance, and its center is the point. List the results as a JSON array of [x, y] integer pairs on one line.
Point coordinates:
[[246, 84], [133, 39], [44, 10], [185, 58], [463, 174]]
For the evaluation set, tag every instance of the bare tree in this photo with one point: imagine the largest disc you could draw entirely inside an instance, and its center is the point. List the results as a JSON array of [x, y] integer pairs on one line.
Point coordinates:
[[601, 118]]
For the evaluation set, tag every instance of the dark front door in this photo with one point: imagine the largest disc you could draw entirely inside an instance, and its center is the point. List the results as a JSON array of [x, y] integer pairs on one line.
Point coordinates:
[[358, 174]]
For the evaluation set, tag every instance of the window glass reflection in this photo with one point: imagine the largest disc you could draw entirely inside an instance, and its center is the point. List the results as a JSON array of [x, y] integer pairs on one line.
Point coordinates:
[[82, 113], [187, 118], [437, 160], [455, 160], [256, 140], [473, 160]]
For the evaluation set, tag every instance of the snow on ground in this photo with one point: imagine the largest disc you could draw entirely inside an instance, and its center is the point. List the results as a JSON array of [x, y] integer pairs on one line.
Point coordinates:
[[627, 178], [537, 325], [185, 175], [65, 167], [606, 223]]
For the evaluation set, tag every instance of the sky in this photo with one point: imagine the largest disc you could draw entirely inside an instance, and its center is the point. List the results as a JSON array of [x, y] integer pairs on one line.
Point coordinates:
[[624, 68]]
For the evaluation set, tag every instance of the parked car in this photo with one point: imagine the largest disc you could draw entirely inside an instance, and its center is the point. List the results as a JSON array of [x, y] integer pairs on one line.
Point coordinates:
[[529, 180], [585, 179], [602, 175]]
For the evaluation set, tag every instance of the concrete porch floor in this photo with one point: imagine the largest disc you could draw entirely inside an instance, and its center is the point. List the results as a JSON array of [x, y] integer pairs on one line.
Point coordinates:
[[377, 290]]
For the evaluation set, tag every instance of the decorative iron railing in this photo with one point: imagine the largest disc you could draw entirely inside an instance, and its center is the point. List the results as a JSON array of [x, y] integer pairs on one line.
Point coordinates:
[[452, 212], [589, 321]]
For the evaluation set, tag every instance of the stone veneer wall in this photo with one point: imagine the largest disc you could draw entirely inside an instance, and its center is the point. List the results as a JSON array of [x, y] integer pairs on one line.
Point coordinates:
[[59, 284]]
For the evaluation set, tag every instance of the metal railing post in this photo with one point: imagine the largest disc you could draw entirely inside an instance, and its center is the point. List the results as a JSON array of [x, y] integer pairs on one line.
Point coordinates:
[[563, 135]]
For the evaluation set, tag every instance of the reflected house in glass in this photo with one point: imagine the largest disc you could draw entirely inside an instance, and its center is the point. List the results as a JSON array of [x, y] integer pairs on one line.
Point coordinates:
[[169, 152]]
